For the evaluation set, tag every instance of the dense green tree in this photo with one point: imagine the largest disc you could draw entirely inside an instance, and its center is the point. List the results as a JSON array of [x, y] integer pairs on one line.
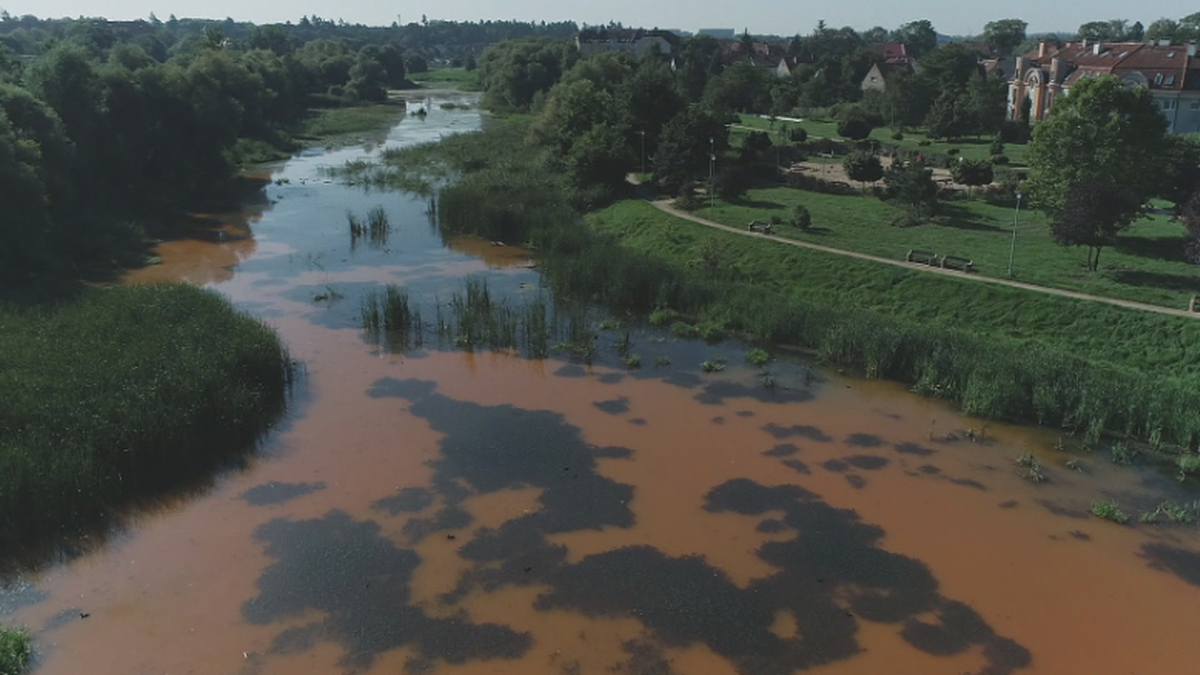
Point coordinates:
[[918, 37], [572, 109], [601, 156], [1102, 130], [1164, 29], [1182, 169], [368, 79], [1094, 211], [648, 98], [912, 185], [742, 87], [986, 97], [863, 167], [687, 142], [1003, 35], [950, 116], [513, 72], [972, 172]]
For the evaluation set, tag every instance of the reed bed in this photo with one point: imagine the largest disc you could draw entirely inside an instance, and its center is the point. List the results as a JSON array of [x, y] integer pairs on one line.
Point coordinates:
[[125, 393], [375, 227]]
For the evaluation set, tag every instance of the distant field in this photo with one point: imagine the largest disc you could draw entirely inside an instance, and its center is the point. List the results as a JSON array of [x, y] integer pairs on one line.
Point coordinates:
[[1146, 265], [450, 78], [971, 148]]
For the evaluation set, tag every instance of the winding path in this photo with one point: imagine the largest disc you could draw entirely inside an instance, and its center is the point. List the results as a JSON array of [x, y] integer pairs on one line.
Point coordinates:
[[665, 206]]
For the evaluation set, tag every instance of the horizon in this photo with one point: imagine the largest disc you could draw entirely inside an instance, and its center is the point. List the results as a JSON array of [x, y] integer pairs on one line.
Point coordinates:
[[764, 18]]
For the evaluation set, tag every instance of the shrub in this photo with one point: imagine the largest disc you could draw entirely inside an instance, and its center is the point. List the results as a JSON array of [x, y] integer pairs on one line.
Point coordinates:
[[897, 136], [1000, 160], [952, 151], [16, 648], [798, 135], [1109, 511], [758, 357], [924, 143], [997, 146], [801, 217], [854, 128]]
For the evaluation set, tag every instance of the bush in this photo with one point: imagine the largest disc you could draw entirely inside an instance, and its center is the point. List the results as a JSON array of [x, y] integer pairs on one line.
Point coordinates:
[[1109, 511], [1000, 160], [952, 151], [16, 648], [798, 135], [758, 357], [897, 136], [854, 128], [801, 217], [924, 143]]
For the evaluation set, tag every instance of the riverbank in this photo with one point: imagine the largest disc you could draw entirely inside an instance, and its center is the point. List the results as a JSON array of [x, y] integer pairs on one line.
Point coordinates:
[[121, 394]]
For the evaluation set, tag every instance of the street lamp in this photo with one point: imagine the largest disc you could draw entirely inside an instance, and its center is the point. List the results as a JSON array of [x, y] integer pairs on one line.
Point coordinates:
[[1012, 250], [642, 133], [712, 163]]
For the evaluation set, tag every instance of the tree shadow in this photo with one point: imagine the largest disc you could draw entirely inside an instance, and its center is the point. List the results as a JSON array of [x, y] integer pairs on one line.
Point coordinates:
[[1170, 282], [760, 204], [1159, 248], [952, 215]]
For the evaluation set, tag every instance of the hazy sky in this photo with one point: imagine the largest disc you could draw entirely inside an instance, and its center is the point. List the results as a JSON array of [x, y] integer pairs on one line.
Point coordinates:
[[782, 17]]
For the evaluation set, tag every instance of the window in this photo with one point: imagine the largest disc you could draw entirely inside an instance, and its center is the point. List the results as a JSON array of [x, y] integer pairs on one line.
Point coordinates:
[[1195, 105], [1158, 79], [1168, 104], [1170, 80]]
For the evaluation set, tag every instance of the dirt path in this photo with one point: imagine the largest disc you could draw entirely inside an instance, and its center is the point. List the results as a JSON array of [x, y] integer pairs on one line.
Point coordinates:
[[665, 206]]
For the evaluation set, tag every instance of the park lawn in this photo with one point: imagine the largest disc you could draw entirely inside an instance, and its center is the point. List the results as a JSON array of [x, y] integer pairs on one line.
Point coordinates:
[[1146, 265], [1156, 343], [971, 148], [449, 78]]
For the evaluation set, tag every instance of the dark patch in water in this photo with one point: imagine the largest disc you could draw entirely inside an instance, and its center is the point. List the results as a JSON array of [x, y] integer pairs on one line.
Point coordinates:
[[1182, 563], [782, 450], [718, 420], [1067, 511], [571, 370], [802, 430], [864, 440], [612, 452], [616, 406], [639, 421], [912, 449], [771, 525], [867, 462], [407, 500], [797, 466], [1010, 504], [835, 465], [449, 518], [834, 560], [359, 581], [645, 658], [278, 493], [929, 469], [685, 380], [745, 413], [63, 618], [610, 378], [967, 482], [716, 393], [1080, 535], [390, 387], [857, 482], [20, 594]]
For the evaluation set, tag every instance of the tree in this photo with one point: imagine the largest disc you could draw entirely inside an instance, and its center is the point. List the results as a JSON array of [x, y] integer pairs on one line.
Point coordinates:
[[972, 172], [1101, 130], [919, 37], [853, 124], [1003, 35], [1095, 210], [1182, 168], [912, 185], [985, 103], [801, 217], [950, 116], [732, 182], [600, 156], [863, 167], [1163, 29]]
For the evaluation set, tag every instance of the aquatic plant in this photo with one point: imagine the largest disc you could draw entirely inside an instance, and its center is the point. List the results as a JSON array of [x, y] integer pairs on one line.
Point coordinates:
[[16, 650], [712, 365], [1033, 470], [632, 361], [758, 357], [375, 227], [1173, 511], [1123, 453], [1189, 464], [1109, 511], [124, 393]]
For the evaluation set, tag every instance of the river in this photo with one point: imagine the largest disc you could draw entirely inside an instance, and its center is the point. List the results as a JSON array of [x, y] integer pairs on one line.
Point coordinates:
[[444, 511]]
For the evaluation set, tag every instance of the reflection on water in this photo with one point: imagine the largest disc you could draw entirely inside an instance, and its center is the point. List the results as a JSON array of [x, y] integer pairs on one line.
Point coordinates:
[[444, 511]]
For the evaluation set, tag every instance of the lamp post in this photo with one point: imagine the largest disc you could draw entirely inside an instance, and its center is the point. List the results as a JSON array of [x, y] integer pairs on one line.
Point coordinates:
[[712, 163], [1012, 250], [642, 133]]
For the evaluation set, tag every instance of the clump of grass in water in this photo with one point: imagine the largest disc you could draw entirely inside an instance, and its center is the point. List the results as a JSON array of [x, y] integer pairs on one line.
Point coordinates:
[[376, 227], [390, 320], [1172, 511], [1109, 511], [1033, 468], [713, 365], [758, 357], [16, 650], [122, 393]]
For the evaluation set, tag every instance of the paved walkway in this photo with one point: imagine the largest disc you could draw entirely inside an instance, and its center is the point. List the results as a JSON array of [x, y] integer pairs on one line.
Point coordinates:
[[666, 206]]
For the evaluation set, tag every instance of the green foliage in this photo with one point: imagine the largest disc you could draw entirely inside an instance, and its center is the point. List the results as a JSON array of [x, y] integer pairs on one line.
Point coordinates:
[[801, 217], [712, 366], [1095, 210], [911, 184], [16, 650], [121, 393], [972, 173], [1109, 511], [758, 357], [1003, 36], [513, 72], [863, 166], [1103, 131]]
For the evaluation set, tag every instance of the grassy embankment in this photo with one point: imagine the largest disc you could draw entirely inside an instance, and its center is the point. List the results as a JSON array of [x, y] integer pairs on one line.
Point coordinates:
[[447, 78], [120, 394], [997, 352], [971, 148], [1145, 265]]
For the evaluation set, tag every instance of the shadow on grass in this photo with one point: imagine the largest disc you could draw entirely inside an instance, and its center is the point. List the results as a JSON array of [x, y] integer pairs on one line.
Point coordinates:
[[951, 215], [759, 204], [1159, 248], [1159, 280]]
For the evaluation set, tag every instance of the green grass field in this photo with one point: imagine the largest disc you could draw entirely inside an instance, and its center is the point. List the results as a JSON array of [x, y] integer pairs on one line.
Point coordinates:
[[448, 78], [1146, 265], [971, 148], [1098, 332], [328, 123]]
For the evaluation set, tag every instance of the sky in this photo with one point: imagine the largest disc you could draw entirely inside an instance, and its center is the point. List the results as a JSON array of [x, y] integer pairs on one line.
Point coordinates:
[[779, 17]]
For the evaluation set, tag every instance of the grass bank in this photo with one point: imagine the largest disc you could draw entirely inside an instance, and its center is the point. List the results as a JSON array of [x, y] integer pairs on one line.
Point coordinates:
[[123, 393], [447, 78], [1145, 265]]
